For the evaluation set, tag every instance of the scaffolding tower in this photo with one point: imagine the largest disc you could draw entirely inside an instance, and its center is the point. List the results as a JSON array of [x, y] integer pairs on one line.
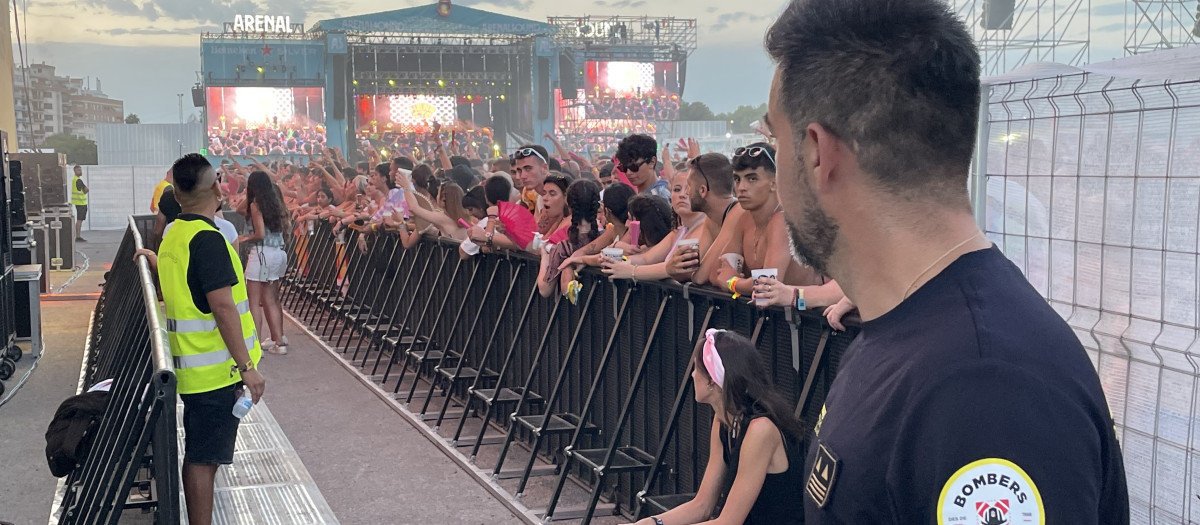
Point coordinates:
[[1151, 25], [1010, 33]]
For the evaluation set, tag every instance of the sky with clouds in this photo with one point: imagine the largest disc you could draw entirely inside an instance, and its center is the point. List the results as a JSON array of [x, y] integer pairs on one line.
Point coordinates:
[[147, 51]]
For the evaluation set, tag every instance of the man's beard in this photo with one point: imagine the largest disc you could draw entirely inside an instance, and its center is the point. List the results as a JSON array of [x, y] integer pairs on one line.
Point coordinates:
[[812, 241], [696, 201]]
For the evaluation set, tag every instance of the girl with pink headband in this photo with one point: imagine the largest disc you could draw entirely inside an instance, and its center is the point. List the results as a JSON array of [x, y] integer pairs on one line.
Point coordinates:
[[756, 459]]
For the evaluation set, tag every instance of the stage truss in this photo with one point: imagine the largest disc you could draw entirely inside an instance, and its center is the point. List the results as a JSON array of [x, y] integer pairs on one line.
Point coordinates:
[[1042, 31], [628, 37], [1151, 25]]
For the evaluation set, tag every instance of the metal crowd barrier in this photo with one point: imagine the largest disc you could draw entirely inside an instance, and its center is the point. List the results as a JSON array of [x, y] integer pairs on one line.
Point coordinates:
[[602, 386], [134, 457]]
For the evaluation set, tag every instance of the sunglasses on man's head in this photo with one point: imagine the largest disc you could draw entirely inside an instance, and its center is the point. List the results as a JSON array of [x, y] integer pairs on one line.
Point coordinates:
[[754, 152], [528, 152]]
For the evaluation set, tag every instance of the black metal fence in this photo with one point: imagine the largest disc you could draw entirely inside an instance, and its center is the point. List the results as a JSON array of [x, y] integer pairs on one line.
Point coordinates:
[[602, 385], [134, 457]]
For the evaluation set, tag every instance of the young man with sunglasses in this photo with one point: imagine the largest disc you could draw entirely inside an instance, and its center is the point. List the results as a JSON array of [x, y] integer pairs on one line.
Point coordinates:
[[531, 167], [637, 156], [760, 235]]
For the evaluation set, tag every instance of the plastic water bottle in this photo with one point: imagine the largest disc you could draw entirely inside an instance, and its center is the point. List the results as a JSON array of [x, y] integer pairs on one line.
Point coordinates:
[[243, 404], [537, 241]]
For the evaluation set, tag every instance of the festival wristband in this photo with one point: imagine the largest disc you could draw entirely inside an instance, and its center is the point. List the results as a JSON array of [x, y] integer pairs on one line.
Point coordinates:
[[732, 285]]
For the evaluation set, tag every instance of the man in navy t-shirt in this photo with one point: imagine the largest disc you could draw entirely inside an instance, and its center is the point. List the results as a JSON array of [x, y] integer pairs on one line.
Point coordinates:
[[966, 399]]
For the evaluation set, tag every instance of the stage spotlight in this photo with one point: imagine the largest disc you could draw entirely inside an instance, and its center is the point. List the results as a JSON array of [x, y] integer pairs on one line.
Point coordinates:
[[501, 97], [356, 82], [391, 82], [441, 83], [260, 69]]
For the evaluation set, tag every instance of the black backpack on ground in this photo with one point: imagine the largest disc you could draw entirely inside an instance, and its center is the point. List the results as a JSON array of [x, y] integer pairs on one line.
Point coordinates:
[[71, 431]]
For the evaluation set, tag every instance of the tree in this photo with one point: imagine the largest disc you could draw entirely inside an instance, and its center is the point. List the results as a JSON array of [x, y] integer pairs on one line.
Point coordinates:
[[741, 117], [78, 149], [133, 119], [695, 111]]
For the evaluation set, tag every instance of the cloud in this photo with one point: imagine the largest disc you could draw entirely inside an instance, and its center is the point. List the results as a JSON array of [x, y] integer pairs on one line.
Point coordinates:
[[1117, 9], [1118, 27], [216, 11], [621, 4], [725, 19], [154, 31]]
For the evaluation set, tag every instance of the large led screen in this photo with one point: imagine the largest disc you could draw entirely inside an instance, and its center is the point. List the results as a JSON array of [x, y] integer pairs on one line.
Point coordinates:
[[265, 121], [631, 91]]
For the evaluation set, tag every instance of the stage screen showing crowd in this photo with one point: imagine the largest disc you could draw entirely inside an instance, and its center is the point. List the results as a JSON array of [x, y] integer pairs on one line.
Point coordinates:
[[265, 121], [401, 124], [617, 99]]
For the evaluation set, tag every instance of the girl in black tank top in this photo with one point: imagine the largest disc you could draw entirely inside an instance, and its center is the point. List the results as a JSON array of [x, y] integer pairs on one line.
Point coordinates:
[[753, 434]]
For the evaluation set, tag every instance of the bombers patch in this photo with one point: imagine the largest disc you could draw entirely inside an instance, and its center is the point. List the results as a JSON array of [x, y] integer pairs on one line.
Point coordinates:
[[990, 491]]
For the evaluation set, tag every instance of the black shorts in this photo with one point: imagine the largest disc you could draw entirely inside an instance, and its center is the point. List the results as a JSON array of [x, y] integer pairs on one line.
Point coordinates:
[[81, 212], [210, 430]]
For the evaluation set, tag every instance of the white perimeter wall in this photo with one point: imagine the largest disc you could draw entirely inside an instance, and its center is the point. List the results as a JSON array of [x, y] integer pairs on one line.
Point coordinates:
[[118, 192]]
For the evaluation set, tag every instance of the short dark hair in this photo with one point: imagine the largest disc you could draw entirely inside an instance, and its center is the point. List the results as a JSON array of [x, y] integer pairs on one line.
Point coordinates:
[[463, 176], [459, 160], [717, 170], [897, 79], [497, 189], [606, 170], [474, 198], [385, 171], [616, 199], [554, 164], [636, 147], [746, 161], [404, 163], [188, 170]]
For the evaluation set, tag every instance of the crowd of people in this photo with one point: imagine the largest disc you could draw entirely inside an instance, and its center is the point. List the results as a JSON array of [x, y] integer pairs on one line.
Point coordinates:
[[269, 141], [709, 219], [475, 142], [644, 107]]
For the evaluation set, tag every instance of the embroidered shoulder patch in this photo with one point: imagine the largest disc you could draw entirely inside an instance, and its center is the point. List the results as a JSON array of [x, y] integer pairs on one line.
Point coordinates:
[[990, 491], [824, 474]]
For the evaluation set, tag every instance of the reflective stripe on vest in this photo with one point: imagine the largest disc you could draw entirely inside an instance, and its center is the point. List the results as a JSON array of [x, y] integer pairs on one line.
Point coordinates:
[[202, 361], [78, 197], [208, 359], [202, 325]]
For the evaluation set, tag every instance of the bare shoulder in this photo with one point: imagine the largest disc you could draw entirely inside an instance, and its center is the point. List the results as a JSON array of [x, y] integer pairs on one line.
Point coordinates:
[[763, 432]]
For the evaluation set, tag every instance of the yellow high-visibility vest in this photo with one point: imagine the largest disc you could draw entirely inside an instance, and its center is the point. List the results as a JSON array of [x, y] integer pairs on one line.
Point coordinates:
[[202, 361], [78, 197]]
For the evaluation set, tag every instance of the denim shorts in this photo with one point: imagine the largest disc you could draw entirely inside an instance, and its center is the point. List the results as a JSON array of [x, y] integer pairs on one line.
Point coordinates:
[[210, 430]]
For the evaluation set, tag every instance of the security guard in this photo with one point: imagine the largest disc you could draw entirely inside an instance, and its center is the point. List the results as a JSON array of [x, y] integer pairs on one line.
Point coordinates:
[[965, 398], [213, 341], [79, 197]]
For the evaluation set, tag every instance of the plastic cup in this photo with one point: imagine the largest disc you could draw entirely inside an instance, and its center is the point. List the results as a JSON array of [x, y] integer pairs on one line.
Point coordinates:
[[685, 244], [735, 261], [613, 253], [765, 272]]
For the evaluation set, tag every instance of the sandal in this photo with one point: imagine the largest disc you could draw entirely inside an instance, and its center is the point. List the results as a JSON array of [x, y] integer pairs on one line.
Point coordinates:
[[275, 349]]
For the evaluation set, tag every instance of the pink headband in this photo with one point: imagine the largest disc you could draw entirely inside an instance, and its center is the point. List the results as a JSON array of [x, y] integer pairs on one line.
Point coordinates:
[[712, 360]]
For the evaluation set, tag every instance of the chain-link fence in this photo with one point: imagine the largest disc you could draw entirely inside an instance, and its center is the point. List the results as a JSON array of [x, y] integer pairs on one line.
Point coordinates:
[[1093, 189]]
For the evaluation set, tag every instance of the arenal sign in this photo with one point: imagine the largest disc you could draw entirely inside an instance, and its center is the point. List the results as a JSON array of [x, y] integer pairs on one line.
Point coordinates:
[[262, 24]]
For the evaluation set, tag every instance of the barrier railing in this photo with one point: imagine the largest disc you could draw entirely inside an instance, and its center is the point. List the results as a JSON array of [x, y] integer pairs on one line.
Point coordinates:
[[135, 444], [602, 386]]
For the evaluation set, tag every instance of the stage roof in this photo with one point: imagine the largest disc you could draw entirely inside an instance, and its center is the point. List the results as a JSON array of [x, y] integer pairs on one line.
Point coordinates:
[[425, 20]]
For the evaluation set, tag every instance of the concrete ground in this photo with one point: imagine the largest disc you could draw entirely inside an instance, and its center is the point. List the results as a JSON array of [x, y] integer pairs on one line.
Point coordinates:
[[370, 464]]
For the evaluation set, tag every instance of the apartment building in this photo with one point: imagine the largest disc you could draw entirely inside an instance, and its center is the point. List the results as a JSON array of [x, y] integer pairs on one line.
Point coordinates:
[[47, 104]]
